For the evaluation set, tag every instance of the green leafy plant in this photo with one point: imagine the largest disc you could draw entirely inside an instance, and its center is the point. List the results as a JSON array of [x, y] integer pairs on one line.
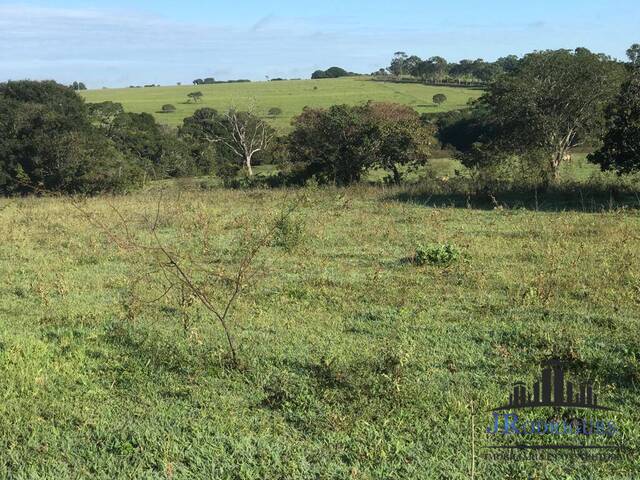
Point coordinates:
[[436, 254]]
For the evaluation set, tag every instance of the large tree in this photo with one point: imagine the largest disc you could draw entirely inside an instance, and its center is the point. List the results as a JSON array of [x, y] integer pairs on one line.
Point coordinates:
[[552, 102], [339, 144], [633, 53], [621, 147], [47, 142], [397, 66], [236, 136]]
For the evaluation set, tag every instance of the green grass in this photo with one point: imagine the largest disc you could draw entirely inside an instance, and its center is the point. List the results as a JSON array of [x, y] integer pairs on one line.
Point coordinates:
[[291, 96], [357, 363]]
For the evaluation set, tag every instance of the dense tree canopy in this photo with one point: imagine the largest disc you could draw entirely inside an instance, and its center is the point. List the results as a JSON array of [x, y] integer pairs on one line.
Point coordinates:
[[621, 148], [438, 69], [333, 72], [339, 144], [553, 102], [48, 142]]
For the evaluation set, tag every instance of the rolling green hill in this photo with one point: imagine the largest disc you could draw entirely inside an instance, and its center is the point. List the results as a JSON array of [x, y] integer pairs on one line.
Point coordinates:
[[290, 96]]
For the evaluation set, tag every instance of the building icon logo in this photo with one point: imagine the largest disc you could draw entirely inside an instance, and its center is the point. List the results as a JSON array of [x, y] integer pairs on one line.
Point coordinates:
[[521, 427], [552, 391]]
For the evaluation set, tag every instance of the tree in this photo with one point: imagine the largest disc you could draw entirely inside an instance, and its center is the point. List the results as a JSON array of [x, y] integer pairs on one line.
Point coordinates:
[[434, 68], [244, 134], [103, 114], [509, 63], [153, 148], [621, 148], [397, 66], [195, 132], [439, 67], [195, 96], [439, 98], [336, 72], [411, 65], [333, 72], [338, 145], [209, 81], [464, 69], [399, 138], [48, 142], [330, 145], [486, 72], [462, 129], [634, 54], [168, 108], [552, 103], [237, 136], [198, 81]]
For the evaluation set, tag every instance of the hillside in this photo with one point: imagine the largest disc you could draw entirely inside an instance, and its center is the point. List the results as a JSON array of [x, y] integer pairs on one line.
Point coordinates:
[[290, 96]]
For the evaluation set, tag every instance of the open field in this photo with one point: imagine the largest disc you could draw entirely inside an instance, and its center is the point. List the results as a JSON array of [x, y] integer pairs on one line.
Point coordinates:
[[291, 96], [356, 363]]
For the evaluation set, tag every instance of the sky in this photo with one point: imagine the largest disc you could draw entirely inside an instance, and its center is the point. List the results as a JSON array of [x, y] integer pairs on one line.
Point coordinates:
[[120, 43]]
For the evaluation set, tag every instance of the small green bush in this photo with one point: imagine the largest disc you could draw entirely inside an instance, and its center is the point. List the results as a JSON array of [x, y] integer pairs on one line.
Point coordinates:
[[437, 254], [274, 112], [439, 98], [289, 232], [168, 108]]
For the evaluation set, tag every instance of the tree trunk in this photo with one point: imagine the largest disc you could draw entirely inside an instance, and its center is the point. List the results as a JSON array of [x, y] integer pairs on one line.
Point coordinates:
[[397, 177], [248, 165], [555, 165]]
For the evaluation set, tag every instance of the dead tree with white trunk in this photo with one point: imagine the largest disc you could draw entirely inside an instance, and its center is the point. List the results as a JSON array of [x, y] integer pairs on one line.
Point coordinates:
[[244, 134]]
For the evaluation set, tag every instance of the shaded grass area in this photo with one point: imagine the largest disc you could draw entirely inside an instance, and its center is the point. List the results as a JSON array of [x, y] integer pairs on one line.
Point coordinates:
[[290, 96], [356, 364]]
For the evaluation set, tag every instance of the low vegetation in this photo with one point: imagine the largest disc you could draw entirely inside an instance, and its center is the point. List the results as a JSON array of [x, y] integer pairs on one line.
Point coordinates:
[[353, 362]]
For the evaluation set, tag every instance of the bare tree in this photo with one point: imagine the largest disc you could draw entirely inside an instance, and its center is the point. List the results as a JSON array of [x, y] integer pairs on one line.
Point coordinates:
[[176, 268], [168, 269], [244, 134]]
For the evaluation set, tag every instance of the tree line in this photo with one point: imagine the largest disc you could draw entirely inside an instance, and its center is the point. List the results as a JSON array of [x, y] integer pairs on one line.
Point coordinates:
[[213, 81], [437, 69], [530, 119]]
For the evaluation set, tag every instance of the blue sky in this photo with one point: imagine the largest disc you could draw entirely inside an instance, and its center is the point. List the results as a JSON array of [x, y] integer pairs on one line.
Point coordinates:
[[118, 43]]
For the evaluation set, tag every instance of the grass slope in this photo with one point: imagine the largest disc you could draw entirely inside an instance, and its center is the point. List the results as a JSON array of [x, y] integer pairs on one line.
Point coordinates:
[[291, 96], [357, 364]]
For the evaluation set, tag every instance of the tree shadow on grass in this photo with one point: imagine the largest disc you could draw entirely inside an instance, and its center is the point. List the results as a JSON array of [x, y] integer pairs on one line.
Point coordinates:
[[572, 197]]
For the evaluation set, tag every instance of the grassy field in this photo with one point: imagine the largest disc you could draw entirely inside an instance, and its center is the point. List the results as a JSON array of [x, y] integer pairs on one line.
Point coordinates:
[[290, 96], [355, 363]]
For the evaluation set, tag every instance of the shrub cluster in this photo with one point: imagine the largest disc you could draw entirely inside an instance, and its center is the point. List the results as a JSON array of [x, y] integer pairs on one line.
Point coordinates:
[[50, 140], [438, 254]]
